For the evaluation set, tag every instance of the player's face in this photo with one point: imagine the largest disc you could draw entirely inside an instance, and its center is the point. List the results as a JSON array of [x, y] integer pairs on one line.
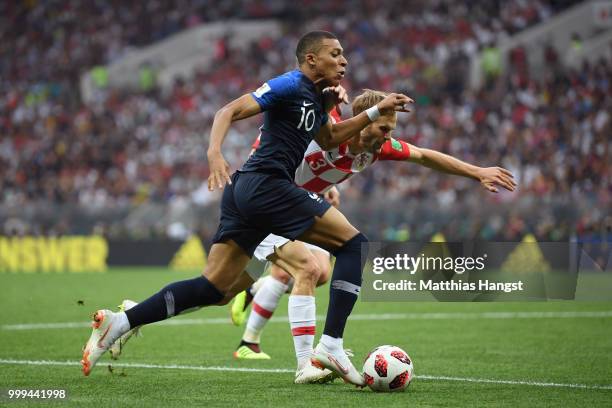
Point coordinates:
[[330, 62], [375, 135]]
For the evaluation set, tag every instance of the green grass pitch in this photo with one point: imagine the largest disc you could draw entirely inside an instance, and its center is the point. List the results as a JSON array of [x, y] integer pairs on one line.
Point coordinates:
[[485, 355]]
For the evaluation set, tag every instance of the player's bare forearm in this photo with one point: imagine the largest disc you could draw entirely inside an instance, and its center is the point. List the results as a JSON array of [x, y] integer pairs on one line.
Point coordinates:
[[332, 136], [444, 163], [241, 108], [238, 109], [489, 177], [221, 124]]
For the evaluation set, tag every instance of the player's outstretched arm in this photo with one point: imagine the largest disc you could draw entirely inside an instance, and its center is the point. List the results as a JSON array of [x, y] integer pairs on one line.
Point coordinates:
[[331, 136], [489, 177], [241, 108]]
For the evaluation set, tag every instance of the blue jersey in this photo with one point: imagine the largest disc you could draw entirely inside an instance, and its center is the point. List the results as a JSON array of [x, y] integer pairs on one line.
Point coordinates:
[[293, 114]]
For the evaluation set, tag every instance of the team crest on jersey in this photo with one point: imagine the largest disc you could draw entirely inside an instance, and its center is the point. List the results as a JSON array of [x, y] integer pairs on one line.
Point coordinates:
[[362, 161], [262, 90], [395, 144]]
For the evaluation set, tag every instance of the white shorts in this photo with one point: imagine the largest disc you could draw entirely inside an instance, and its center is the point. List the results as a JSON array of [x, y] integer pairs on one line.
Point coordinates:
[[268, 245]]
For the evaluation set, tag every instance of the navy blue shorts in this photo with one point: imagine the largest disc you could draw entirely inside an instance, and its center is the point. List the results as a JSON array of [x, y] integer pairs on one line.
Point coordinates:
[[257, 204]]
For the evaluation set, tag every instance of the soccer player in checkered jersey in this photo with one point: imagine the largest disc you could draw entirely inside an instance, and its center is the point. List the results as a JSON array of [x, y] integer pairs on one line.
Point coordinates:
[[320, 171]]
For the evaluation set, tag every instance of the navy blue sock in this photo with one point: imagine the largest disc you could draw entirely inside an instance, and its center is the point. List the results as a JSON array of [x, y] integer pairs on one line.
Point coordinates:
[[345, 285], [174, 299]]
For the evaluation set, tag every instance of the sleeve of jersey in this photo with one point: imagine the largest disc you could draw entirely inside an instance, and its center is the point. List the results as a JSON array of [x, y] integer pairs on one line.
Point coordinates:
[[255, 144], [335, 115], [394, 150], [274, 92]]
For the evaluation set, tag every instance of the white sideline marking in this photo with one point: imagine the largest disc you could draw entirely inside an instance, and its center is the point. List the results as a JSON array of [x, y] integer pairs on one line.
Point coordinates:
[[383, 316], [286, 370], [514, 382], [143, 365]]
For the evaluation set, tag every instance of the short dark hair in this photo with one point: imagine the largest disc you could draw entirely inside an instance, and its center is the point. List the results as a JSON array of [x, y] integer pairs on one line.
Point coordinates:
[[311, 42]]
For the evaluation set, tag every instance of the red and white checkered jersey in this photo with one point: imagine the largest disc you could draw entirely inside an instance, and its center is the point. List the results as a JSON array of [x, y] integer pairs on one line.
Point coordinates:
[[320, 169]]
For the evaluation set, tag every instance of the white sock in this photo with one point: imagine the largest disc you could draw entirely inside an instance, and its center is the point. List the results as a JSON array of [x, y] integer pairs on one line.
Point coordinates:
[[120, 326], [257, 284], [122, 322], [302, 317], [264, 304], [332, 344]]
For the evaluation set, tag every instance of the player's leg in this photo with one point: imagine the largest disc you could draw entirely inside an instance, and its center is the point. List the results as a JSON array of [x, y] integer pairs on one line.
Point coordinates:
[[261, 281], [333, 231], [269, 292], [225, 263], [117, 347], [260, 257], [241, 284], [242, 301], [307, 217], [302, 307], [264, 303], [244, 281], [284, 256], [295, 257], [306, 268], [299, 261], [233, 247], [324, 261]]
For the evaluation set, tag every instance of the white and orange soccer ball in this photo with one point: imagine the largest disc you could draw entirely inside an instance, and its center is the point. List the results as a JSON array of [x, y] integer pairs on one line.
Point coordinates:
[[388, 369]]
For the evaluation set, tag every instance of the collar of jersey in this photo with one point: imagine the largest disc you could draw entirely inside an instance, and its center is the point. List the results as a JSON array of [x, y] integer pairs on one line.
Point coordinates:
[[307, 80]]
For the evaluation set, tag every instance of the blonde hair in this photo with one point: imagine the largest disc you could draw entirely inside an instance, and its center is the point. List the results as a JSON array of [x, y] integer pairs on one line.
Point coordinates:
[[366, 100]]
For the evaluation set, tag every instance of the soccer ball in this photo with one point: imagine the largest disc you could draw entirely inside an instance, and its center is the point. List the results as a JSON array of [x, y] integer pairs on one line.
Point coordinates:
[[388, 369]]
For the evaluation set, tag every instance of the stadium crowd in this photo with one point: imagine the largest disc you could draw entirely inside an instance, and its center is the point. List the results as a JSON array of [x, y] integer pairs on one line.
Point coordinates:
[[127, 149]]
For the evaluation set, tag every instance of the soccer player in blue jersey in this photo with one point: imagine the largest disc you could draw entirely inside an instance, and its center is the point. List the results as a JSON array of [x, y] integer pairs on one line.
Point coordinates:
[[295, 107]]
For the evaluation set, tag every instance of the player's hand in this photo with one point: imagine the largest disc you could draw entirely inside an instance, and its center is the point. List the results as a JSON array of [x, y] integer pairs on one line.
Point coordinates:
[[394, 102], [490, 177], [335, 95], [219, 171], [333, 197]]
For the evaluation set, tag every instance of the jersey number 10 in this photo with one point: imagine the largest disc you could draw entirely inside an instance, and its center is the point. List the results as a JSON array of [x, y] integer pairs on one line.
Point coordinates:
[[308, 119]]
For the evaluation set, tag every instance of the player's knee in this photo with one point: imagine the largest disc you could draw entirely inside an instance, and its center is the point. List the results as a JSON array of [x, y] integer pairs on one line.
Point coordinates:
[[312, 271], [324, 274], [308, 271], [280, 275]]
